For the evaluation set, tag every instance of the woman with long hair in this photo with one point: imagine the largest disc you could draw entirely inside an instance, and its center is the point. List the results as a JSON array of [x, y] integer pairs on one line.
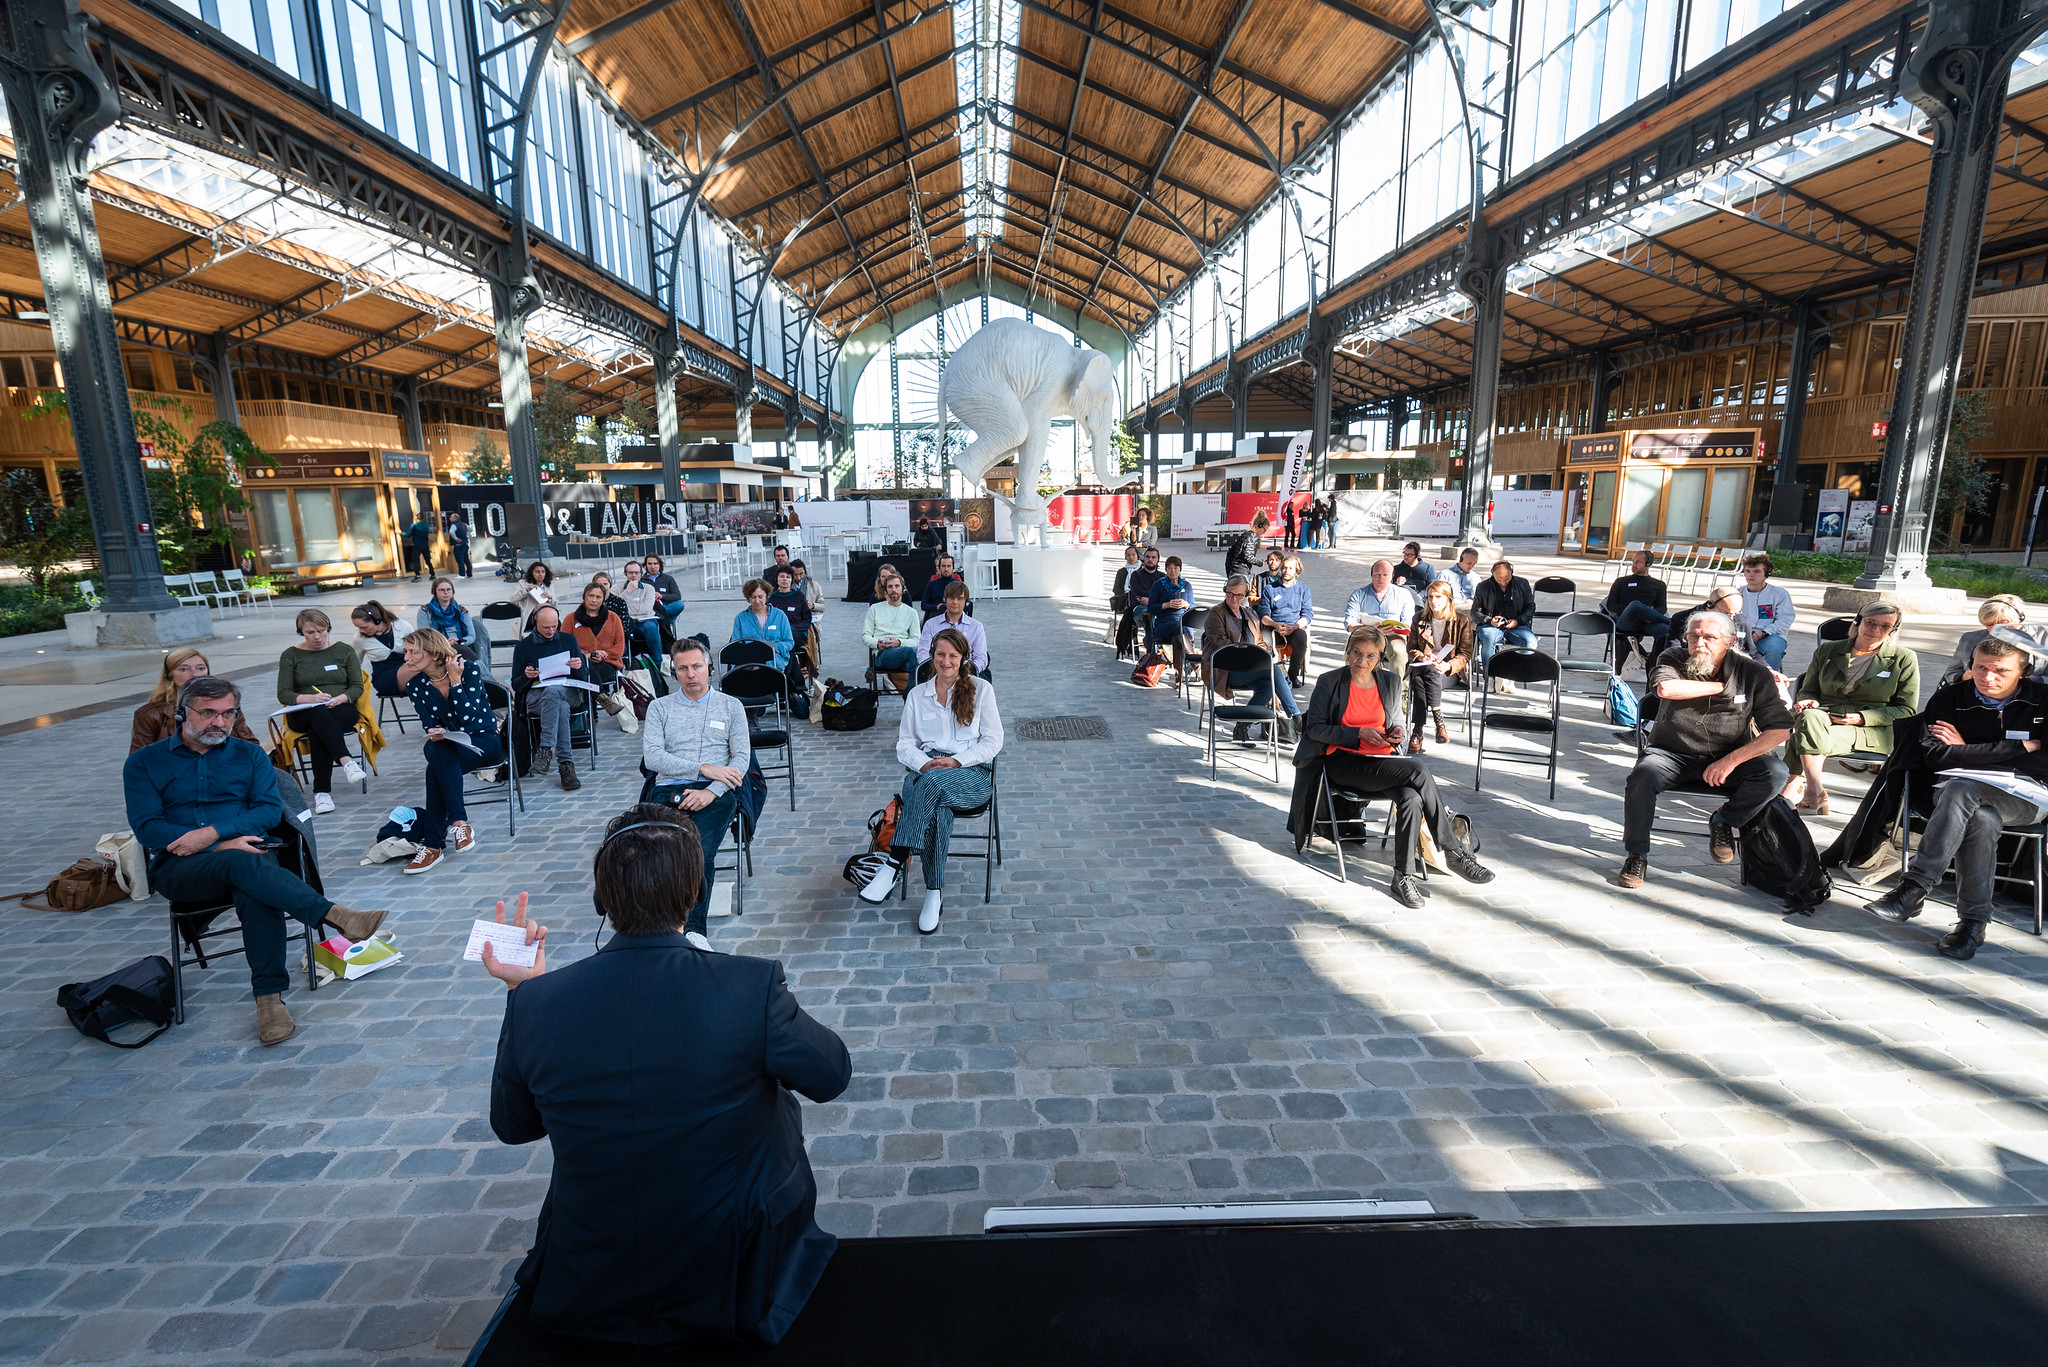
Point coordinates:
[[376, 646], [536, 591], [451, 701], [949, 739], [1351, 738], [1242, 557], [322, 679], [1440, 647], [156, 719]]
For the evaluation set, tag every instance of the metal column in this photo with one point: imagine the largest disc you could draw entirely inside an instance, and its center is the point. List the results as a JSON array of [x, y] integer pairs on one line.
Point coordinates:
[[1319, 349], [1484, 281], [668, 366], [1237, 386], [409, 408], [220, 360], [1958, 76], [58, 102], [512, 303], [1788, 495]]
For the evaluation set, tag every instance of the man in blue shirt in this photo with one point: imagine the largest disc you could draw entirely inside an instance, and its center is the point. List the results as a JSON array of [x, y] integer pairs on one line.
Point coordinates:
[[1286, 609], [1465, 578], [203, 802], [1169, 600], [1412, 574]]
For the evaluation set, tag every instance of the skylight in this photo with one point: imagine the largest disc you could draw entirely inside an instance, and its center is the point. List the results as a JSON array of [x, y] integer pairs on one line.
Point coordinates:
[[985, 74]]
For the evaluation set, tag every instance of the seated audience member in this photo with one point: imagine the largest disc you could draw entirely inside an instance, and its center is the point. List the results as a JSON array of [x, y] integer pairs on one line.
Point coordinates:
[[1636, 604], [890, 628], [793, 603], [1286, 609], [1440, 647], [781, 518], [654, 570], [466, 633], [928, 538], [948, 739], [536, 591], [759, 621], [450, 701], [1168, 603], [1769, 610], [1465, 578], [1710, 699], [1276, 562], [643, 611], [649, 1053], [202, 802], [781, 554], [1849, 697], [601, 639], [1384, 604], [322, 672], [883, 571], [603, 580], [376, 647], [1120, 594], [1413, 573], [814, 594], [1351, 735], [954, 616], [696, 746], [156, 719], [1993, 718], [1139, 585], [1503, 609], [550, 702], [1235, 622], [1242, 555], [935, 591], [1999, 610], [1725, 600]]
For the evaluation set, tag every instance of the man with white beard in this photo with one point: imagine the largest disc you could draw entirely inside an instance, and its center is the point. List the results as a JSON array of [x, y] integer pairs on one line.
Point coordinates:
[[1719, 719]]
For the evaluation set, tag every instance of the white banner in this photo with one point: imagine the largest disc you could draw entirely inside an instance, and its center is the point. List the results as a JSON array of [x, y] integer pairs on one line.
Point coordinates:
[[838, 515], [1431, 512], [1297, 458], [1527, 512], [1371, 513], [1194, 515], [1862, 520], [892, 515]]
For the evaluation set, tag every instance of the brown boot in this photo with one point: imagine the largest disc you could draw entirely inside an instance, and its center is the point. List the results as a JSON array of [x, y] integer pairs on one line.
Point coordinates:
[[273, 1022], [1415, 744], [570, 783], [357, 925]]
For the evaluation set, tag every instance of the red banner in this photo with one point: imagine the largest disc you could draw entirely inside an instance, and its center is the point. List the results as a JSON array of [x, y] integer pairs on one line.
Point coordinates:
[[1238, 508], [1091, 517]]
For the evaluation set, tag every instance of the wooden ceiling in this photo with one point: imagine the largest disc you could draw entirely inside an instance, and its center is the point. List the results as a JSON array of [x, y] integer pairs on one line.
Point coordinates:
[[1140, 134]]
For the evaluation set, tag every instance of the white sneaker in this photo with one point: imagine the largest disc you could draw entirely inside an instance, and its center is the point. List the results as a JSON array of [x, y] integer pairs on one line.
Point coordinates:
[[879, 883], [353, 771], [697, 940], [323, 803], [928, 916]]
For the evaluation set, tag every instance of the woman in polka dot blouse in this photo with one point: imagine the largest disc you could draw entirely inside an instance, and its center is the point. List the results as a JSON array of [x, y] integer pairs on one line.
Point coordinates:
[[447, 700]]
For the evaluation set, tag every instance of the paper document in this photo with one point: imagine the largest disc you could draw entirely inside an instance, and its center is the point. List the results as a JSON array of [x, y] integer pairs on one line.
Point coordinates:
[[567, 683], [508, 943], [461, 738], [554, 666], [299, 707], [2005, 780]]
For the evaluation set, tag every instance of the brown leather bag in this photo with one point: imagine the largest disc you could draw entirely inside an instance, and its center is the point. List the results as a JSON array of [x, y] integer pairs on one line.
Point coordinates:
[[88, 883]]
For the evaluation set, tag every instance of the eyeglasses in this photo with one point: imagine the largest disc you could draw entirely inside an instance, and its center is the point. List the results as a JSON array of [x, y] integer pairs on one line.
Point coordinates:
[[223, 713]]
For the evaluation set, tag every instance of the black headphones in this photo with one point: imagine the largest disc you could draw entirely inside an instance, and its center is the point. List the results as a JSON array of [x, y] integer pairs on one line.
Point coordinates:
[[595, 905]]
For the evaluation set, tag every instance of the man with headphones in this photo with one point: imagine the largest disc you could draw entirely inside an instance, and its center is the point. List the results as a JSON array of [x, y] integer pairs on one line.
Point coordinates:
[[681, 1204], [204, 803], [1995, 717]]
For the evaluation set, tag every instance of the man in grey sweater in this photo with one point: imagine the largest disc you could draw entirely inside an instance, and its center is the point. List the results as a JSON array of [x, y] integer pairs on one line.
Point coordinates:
[[1719, 719], [695, 744]]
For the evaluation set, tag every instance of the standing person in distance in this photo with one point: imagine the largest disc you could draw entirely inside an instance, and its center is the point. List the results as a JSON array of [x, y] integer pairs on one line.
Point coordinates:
[[1242, 557], [950, 731], [420, 547], [458, 543]]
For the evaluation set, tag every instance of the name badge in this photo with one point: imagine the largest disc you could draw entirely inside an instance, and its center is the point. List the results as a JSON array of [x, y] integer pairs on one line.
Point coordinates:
[[332, 668], [1739, 699], [1884, 673], [717, 725], [2019, 735]]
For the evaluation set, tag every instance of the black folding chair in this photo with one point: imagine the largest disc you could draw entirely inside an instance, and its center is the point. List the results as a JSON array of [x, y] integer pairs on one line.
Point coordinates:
[[1835, 629], [502, 611], [1327, 796], [1646, 717], [762, 689], [1193, 623], [1237, 659], [2033, 832], [989, 837], [388, 712], [1576, 624], [1520, 665], [1556, 584], [192, 923], [487, 792], [738, 653]]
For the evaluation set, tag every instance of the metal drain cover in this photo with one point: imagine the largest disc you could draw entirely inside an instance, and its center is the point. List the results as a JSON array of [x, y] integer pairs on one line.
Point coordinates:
[[1063, 728]]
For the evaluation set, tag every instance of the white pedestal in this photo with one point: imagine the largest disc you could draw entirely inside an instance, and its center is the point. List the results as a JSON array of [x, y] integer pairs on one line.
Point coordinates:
[[1048, 571]]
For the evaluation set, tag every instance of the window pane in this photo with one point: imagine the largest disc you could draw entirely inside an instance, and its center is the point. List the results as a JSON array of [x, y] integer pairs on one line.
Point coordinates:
[[272, 514], [1574, 512], [1639, 504], [1682, 508], [1600, 518], [318, 524], [363, 534], [1724, 514]]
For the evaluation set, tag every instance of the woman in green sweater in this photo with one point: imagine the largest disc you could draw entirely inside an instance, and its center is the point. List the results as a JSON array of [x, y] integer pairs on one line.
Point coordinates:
[[323, 672], [1849, 697]]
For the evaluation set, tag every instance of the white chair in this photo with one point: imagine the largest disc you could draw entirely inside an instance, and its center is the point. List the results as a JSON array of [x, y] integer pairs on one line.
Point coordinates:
[[721, 565], [837, 549], [218, 595], [239, 582], [983, 577], [89, 593], [181, 589]]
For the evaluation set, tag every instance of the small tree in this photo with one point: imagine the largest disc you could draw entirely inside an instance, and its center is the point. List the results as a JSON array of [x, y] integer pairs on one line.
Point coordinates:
[[486, 463], [1130, 455], [1965, 482], [636, 416], [554, 429], [36, 535]]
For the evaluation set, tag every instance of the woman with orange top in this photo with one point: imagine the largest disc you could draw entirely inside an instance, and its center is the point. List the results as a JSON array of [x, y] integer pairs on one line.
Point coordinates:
[[1351, 735]]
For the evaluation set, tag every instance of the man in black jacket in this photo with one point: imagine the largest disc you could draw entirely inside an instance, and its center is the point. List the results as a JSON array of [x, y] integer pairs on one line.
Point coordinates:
[[682, 1202], [1636, 603], [549, 701], [1503, 609], [1994, 717]]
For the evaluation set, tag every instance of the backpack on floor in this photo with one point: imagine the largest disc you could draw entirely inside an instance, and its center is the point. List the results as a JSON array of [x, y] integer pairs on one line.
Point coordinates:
[[1621, 702], [848, 708], [1779, 860], [1151, 670], [92, 881], [142, 991], [881, 833]]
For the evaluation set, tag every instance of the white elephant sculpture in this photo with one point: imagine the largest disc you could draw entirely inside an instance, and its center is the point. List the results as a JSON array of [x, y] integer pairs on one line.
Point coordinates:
[[1007, 383]]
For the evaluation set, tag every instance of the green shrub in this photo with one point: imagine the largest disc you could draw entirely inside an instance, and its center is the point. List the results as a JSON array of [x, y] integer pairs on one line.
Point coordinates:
[[1828, 569], [1980, 580], [24, 611]]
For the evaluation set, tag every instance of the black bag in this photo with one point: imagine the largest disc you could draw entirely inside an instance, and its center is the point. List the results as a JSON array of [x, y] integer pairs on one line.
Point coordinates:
[[1779, 860], [848, 708], [141, 991]]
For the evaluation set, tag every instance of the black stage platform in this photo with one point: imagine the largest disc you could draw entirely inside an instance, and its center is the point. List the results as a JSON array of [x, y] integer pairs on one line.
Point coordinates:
[[1944, 1289]]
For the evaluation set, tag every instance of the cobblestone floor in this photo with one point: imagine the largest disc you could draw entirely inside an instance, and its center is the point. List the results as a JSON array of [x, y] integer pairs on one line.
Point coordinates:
[[1159, 1002]]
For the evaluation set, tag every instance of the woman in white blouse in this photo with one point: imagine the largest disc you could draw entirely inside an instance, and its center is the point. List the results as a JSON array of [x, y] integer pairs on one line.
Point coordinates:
[[949, 740]]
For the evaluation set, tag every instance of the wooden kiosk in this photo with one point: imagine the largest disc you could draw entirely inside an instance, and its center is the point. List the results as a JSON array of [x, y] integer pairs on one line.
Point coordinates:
[[1686, 485]]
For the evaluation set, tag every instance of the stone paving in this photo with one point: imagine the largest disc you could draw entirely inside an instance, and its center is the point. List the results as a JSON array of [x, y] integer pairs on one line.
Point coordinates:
[[1160, 1002]]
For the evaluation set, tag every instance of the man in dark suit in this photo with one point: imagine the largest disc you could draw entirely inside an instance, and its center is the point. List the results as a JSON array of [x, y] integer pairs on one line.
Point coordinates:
[[682, 1201]]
